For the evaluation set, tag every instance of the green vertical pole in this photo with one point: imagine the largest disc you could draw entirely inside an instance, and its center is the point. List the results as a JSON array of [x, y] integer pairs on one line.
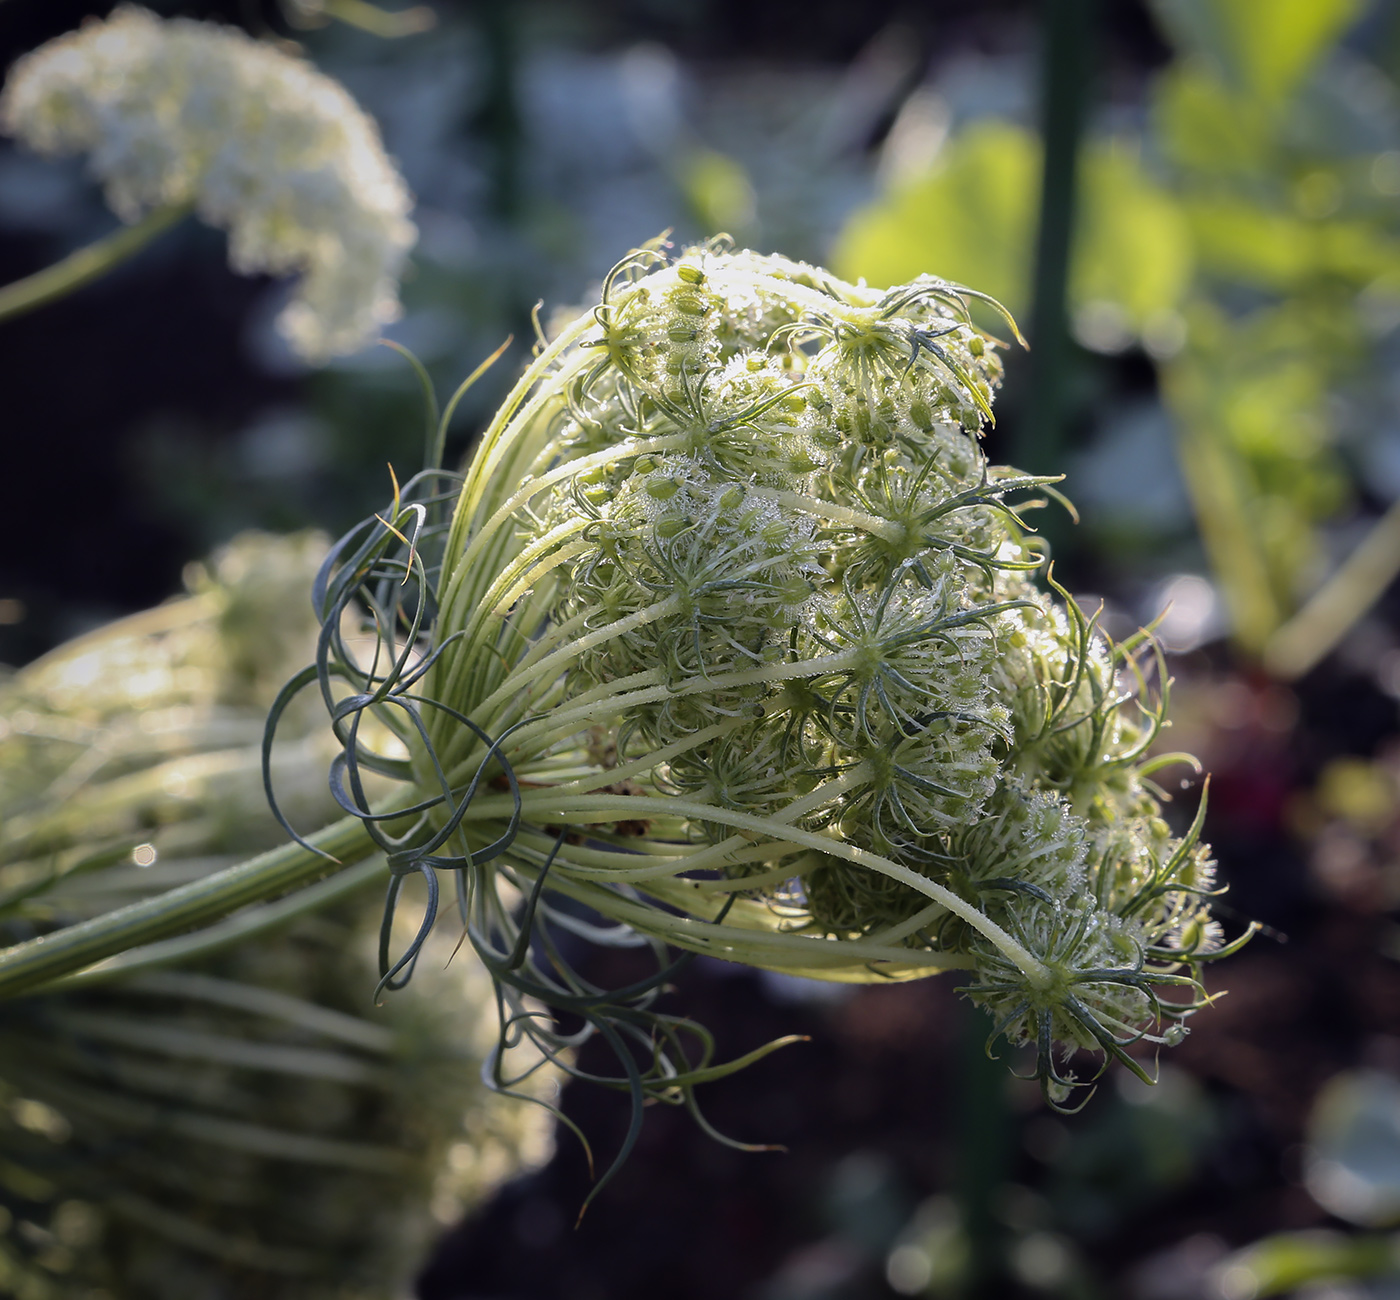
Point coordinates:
[[983, 1157], [984, 1140], [1067, 65], [500, 108]]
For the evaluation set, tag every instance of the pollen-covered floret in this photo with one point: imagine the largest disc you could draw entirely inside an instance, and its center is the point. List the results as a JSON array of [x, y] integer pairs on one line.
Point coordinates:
[[178, 112]]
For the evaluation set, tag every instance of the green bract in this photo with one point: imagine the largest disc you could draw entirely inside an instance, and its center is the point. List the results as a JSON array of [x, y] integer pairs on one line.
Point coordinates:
[[734, 637]]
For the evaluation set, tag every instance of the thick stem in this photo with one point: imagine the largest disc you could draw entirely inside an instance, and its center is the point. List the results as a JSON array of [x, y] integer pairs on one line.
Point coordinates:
[[37, 962], [1067, 31], [234, 930], [86, 264]]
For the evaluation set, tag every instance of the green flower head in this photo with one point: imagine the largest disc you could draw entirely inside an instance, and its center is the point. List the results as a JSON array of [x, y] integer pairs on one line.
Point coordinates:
[[734, 639]]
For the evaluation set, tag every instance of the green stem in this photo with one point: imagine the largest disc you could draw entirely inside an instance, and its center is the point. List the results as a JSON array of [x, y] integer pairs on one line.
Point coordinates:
[[234, 930], [571, 469], [541, 805], [86, 264], [616, 697], [983, 1159], [1302, 642], [555, 662], [37, 962], [838, 514]]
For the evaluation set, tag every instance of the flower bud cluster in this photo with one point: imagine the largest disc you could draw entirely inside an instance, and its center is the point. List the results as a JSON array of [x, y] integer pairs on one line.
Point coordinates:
[[799, 597], [180, 112]]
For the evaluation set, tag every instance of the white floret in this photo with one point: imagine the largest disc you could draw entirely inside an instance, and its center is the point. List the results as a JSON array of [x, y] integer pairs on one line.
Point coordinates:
[[260, 143]]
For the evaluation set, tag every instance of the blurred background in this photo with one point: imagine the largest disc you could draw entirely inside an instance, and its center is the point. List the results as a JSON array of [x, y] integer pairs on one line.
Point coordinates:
[[1193, 208]]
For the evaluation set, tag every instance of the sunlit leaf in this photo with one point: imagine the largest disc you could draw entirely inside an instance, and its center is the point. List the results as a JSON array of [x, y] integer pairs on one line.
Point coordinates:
[[1244, 242], [1260, 50], [973, 220], [1133, 246], [718, 191], [1201, 125]]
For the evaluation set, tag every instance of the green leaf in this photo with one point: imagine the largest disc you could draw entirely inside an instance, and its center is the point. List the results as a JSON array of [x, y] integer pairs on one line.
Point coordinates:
[[971, 220], [1283, 1263], [1240, 241], [717, 190], [1202, 125], [1133, 246], [1259, 50]]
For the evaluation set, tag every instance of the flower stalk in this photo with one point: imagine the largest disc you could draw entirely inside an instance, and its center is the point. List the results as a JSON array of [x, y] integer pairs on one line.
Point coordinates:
[[39, 962], [87, 264]]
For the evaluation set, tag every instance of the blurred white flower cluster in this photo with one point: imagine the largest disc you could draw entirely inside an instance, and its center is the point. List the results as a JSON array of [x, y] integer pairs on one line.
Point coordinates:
[[262, 144]]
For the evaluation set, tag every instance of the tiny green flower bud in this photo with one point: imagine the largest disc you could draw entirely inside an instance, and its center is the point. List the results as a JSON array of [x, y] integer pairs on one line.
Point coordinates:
[[688, 304], [662, 489]]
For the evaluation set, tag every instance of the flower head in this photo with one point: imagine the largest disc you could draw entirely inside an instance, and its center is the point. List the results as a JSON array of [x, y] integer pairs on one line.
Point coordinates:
[[175, 112], [739, 640]]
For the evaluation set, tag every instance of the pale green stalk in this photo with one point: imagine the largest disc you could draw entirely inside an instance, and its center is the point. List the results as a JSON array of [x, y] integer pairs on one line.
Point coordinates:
[[769, 949], [546, 806], [834, 513], [86, 264], [37, 962], [231, 931], [1330, 613], [584, 711]]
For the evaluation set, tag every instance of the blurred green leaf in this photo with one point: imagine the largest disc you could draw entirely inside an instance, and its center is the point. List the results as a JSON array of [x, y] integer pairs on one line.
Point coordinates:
[[1256, 273], [1201, 125], [1250, 244], [1250, 399], [717, 190], [1277, 1265], [1260, 50], [1133, 245], [1245, 242], [973, 220]]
